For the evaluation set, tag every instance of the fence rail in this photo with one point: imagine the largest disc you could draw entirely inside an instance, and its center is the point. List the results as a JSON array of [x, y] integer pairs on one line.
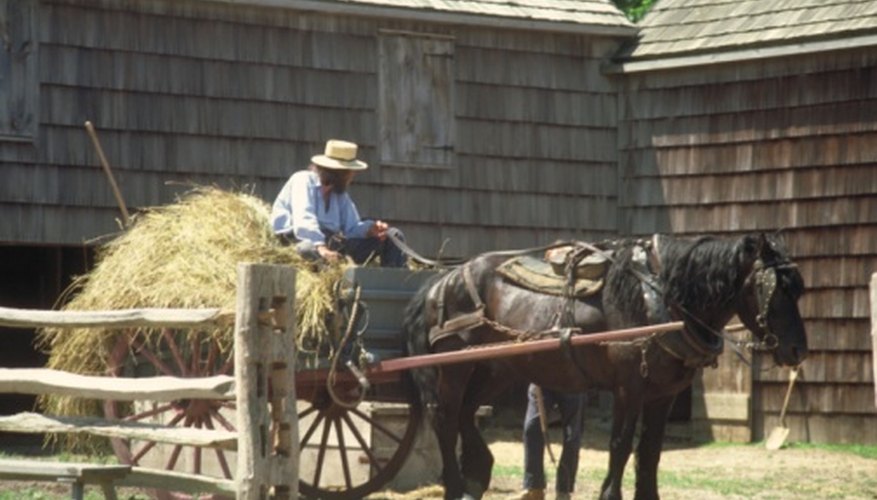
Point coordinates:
[[264, 350]]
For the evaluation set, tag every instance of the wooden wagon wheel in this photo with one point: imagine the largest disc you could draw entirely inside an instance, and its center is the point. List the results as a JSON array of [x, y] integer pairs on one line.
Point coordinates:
[[174, 353], [332, 436]]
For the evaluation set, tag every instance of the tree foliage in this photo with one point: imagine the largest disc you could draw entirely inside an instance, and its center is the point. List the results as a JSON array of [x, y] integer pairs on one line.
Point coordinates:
[[634, 9]]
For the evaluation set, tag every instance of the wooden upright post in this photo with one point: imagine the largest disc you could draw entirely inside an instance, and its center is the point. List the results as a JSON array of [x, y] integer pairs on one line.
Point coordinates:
[[264, 368], [874, 331]]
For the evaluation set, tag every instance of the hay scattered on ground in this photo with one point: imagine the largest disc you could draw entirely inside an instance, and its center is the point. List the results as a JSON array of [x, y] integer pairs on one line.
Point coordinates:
[[182, 255]]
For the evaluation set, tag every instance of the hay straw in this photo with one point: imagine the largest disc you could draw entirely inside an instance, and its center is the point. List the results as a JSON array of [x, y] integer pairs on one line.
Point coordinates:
[[182, 255]]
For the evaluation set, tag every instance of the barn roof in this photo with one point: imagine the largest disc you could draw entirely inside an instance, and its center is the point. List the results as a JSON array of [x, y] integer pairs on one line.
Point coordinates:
[[573, 16], [689, 32]]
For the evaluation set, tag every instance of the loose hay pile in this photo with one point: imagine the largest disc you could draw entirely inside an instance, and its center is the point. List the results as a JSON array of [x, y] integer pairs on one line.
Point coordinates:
[[182, 255]]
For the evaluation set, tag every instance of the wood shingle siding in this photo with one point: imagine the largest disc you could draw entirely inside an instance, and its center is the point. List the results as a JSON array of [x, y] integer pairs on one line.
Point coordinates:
[[764, 144], [242, 95]]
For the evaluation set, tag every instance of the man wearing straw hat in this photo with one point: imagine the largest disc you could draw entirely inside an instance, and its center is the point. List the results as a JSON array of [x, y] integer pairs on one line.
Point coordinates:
[[315, 213]]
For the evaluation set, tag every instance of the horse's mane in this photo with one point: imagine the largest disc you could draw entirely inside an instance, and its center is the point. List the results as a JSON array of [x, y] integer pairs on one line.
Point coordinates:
[[705, 273], [698, 275]]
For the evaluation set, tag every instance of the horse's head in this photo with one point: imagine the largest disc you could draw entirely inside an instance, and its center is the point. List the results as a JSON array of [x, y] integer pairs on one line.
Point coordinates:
[[769, 302]]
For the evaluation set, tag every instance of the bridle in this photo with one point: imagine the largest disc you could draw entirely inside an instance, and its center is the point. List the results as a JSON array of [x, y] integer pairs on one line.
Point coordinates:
[[764, 275]]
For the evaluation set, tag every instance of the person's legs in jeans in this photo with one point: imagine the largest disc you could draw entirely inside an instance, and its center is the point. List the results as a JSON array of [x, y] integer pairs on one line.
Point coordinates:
[[571, 408], [534, 445]]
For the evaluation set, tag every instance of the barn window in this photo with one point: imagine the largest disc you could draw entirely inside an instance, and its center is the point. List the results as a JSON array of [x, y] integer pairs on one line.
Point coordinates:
[[416, 99], [18, 70]]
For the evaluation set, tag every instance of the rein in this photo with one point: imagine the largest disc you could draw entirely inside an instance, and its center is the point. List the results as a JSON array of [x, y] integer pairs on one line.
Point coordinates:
[[394, 236]]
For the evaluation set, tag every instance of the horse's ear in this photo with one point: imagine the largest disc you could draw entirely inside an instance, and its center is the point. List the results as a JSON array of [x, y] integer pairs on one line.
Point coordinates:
[[752, 246], [767, 248]]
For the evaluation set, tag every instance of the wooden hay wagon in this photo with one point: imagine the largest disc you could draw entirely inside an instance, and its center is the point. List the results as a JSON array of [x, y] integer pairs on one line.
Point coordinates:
[[353, 441]]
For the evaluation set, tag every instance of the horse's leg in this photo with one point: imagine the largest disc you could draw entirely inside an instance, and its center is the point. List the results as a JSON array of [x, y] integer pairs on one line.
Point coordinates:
[[625, 412], [648, 451], [476, 458], [447, 418]]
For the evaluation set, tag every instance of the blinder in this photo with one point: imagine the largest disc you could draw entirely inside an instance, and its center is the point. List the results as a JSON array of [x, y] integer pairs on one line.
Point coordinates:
[[765, 275]]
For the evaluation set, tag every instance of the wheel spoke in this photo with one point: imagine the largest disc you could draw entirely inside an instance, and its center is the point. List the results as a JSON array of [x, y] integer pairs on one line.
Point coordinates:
[[149, 445], [226, 366], [196, 453], [149, 413], [220, 455], [172, 460], [195, 369], [222, 420], [377, 425], [373, 460], [152, 358], [135, 459], [343, 452], [324, 443], [211, 356], [175, 351], [307, 412], [307, 435]]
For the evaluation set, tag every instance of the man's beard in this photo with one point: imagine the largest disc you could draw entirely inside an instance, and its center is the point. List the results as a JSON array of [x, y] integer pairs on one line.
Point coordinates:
[[340, 188]]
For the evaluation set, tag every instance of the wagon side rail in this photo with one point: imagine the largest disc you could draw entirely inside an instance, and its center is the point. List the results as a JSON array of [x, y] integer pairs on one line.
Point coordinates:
[[266, 441]]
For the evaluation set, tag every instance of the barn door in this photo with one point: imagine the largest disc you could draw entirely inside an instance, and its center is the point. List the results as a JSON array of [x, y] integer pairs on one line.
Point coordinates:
[[416, 99]]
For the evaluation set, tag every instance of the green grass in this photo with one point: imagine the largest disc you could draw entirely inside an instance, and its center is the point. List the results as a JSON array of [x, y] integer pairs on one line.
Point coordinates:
[[36, 493], [860, 450]]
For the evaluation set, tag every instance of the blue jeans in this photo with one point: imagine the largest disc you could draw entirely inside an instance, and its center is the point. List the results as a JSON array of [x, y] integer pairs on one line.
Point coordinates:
[[571, 407]]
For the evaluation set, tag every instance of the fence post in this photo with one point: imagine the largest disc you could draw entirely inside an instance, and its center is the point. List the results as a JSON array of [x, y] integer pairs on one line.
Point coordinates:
[[264, 369]]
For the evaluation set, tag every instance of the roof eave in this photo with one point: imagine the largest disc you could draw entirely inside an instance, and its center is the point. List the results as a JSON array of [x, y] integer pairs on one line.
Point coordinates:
[[741, 55], [444, 17]]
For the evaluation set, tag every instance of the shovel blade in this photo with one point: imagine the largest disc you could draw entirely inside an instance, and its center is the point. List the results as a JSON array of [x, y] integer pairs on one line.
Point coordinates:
[[777, 438]]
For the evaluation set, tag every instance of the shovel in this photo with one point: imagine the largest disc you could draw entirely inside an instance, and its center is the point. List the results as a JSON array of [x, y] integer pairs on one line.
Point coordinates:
[[778, 435]]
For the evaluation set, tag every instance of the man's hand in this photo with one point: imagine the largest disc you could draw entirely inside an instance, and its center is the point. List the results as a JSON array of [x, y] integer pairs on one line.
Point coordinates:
[[327, 254], [378, 230]]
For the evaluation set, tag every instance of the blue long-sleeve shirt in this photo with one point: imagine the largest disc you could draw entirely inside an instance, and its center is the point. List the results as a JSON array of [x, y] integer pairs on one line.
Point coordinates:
[[300, 210]]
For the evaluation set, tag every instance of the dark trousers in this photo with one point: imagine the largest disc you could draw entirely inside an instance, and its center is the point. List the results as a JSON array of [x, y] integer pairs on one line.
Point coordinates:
[[571, 408], [359, 249]]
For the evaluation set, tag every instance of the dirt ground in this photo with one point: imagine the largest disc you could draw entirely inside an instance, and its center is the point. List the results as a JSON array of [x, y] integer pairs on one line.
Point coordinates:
[[694, 472], [688, 471]]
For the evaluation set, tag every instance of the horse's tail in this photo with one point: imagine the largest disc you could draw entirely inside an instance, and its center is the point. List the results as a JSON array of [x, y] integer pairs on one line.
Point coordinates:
[[422, 382]]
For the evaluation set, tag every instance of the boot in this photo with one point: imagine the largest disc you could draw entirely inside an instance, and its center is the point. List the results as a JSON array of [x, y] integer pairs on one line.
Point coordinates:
[[562, 495]]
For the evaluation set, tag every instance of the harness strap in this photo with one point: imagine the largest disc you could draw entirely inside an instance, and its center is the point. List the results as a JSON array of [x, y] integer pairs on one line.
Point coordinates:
[[461, 322], [469, 281]]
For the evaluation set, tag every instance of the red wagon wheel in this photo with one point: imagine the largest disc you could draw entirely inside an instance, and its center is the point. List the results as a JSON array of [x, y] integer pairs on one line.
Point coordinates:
[[349, 451], [346, 452], [174, 353]]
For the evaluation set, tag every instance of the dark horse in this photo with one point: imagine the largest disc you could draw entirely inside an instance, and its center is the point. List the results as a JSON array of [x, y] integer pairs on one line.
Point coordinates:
[[703, 282]]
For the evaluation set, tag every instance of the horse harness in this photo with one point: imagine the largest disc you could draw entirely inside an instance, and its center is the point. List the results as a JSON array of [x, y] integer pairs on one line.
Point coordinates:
[[687, 347]]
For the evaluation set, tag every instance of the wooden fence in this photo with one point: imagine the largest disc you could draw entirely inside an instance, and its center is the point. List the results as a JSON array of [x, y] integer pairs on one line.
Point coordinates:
[[266, 440]]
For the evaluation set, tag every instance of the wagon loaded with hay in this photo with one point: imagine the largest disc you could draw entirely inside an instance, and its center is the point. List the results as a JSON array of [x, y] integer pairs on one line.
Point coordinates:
[[184, 255]]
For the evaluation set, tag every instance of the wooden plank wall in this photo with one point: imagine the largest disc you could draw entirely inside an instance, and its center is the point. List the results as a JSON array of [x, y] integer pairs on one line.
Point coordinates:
[[211, 93], [786, 144]]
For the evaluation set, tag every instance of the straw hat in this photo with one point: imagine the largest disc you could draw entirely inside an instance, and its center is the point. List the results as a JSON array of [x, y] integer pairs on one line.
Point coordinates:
[[339, 155]]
